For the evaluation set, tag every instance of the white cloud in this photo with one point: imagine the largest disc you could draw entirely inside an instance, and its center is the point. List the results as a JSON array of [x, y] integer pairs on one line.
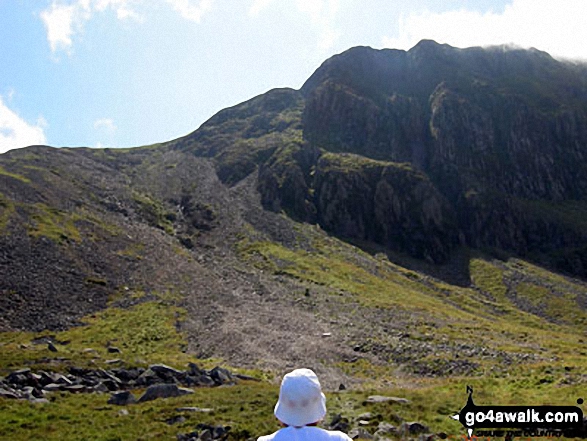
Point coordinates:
[[65, 18], [105, 124], [555, 27], [189, 10], [59, 22], [16, 132], [258, 6]]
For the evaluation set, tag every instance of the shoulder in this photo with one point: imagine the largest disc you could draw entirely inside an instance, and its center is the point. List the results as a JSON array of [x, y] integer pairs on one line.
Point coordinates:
[[336, 435], [330, 435], [271, 437]]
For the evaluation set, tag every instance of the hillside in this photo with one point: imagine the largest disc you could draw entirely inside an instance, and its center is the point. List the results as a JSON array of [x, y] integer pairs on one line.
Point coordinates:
[[405, 220]]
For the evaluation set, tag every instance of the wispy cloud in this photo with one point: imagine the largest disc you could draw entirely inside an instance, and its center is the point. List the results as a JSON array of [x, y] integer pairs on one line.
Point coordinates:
[[59, 22], [556, 27], [63, 19], [15, 132], [105, 124], [192, 10]]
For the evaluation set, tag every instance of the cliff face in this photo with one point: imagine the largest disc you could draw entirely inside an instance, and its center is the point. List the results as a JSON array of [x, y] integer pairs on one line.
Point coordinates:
[[500, 136], [489, 143]]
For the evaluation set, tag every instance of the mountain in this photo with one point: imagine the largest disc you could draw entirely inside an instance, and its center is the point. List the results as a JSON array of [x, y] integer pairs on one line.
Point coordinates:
[[422, 209], [422, 151]]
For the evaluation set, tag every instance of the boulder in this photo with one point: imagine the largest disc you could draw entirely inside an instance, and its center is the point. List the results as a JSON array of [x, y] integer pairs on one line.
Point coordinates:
[[221, 376], [384, 399], [163, 391], [122, 398], [412, 428]]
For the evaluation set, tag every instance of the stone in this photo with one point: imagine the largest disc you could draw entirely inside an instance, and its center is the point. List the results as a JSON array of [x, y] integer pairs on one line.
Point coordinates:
[[384, 399], [123, 398], [8, 393], [51, 347], [412, 428], [178, 419], [113, 350], [194, 409], [339, 423], [385, 429], [360, 433], [194, 370], [205, 435], [164, 370], [163, 391], [221, 376], [53, 387]]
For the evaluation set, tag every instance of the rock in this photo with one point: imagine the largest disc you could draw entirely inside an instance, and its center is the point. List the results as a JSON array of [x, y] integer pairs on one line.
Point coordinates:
[[163, 391], [113, 350], [386, 429], [221, 376], [76, 388], [51, 347], [205, 380], [192, 436], [194, 409], [62, 379], [245, 377], [178, 419], [8, 393], [123, 398], [339, 423], [365, 416], [412, 428], [384, 399], [165, 371], [360, 433], [53, 387], [194, 370], [205, 435]]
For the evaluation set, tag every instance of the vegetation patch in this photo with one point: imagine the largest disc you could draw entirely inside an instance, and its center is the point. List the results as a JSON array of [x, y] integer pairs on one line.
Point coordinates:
[[154, 212], [52, 223], [4, 172], [145, 333]]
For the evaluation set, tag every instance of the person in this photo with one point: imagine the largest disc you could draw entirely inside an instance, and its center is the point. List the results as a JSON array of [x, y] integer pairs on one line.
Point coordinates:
[[300, 407]]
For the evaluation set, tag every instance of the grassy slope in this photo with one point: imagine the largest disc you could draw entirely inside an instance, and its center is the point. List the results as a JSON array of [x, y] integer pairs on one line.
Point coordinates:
[[485, 312]]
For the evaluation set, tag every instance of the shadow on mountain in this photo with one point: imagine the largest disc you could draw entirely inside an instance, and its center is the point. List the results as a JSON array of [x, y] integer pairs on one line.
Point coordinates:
[[455, 271]]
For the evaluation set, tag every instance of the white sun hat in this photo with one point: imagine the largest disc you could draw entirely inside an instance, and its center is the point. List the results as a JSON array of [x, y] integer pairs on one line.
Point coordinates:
[[301, 401]]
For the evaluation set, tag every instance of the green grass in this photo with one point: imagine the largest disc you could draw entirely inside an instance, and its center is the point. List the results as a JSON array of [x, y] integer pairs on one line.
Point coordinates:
[[52, 223], [457, 314], [4, 172], [153, 212], [6, 211], [488, 277], [248, 409], [145, 333]]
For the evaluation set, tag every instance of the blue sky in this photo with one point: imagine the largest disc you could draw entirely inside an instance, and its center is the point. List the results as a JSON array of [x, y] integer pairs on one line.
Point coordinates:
[[123, 73]]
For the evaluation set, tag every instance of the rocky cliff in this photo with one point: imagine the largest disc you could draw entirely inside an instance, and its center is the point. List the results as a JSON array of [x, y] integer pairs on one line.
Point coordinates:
[[464, 141]]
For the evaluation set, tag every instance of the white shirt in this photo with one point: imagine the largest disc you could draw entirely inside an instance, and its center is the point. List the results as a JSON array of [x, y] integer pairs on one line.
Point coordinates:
[[306, 433]]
